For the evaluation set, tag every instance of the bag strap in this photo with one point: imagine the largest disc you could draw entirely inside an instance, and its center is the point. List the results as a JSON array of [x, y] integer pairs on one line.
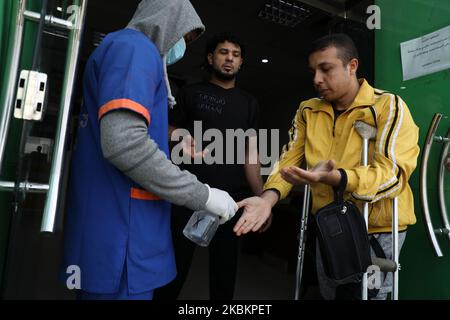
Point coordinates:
[[340, 189], [376, 246]]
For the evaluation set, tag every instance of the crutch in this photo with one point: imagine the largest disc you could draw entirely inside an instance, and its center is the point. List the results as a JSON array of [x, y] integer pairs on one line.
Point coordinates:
[[302, 241], [395, 251], [367, 132]]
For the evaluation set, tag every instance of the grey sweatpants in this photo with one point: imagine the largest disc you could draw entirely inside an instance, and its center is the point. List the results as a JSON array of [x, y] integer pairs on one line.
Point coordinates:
[[328, 286]]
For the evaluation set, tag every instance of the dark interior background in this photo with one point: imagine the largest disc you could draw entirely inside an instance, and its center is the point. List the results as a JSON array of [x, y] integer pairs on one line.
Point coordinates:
[[282, 83]]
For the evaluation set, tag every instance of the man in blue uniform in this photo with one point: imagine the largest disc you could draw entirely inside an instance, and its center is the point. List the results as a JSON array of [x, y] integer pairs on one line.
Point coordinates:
[[118, 221]]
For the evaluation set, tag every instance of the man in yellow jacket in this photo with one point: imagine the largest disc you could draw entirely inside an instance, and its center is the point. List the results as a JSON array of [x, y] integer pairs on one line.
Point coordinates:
[[323, 135]]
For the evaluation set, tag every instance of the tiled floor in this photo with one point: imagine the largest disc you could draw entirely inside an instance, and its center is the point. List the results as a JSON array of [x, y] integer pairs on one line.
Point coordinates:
[[258, 278]]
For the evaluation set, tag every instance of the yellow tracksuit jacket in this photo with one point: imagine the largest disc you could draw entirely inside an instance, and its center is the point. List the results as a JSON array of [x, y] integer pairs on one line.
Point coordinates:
[[316, 135]]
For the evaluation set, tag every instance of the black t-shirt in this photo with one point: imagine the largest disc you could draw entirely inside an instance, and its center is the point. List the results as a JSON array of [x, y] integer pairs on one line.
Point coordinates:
[[221, 109]]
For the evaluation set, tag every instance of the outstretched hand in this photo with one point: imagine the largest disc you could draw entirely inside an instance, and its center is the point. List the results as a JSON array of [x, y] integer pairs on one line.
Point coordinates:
[[256, 212], [324, 172]]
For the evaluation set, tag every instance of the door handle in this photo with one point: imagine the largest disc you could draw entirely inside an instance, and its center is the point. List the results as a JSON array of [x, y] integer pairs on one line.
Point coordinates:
[[51, 204], [431, 232], [444, 163], [8, 103], [24, 186]]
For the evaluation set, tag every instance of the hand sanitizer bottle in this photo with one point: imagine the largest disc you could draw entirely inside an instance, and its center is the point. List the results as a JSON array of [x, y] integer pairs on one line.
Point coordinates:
[[201, 227]]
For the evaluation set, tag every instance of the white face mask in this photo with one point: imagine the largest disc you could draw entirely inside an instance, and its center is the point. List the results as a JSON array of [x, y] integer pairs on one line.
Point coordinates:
[[176, 52]]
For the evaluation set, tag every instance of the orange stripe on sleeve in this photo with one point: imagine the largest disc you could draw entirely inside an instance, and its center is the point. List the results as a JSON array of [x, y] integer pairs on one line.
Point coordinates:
[[124, 104], [143, 195]]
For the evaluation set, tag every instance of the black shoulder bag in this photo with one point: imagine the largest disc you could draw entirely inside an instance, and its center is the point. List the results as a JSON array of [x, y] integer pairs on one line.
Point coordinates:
[[342, 235]]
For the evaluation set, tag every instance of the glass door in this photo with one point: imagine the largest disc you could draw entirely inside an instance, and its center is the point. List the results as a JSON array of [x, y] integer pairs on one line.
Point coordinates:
[[35, 128]]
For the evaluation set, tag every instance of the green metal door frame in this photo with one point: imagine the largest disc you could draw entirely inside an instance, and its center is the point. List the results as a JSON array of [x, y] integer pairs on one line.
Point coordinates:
[[422, 276]]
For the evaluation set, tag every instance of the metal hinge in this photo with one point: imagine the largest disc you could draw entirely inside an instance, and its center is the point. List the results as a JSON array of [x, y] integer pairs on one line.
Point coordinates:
[[31, 94]]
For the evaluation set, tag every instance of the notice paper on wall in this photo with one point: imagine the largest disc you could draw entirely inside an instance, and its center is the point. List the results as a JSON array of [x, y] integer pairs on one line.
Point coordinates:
[[427, 54]]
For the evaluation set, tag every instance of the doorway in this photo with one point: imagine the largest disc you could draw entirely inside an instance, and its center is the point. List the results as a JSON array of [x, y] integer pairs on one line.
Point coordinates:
[[32, 258]]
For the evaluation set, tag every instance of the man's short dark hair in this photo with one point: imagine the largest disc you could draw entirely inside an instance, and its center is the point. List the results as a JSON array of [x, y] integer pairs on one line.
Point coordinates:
[[342, 42]]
